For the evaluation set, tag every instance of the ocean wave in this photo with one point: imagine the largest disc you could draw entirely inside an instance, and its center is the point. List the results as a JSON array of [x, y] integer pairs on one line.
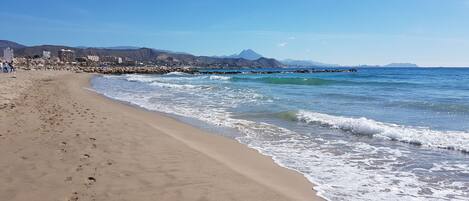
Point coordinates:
[[292, 81], [451, 140], [217, 77], [177, 74], [319, 81], [139, 78], [453, 107], [180, 86], [170, 80], [353, 97]]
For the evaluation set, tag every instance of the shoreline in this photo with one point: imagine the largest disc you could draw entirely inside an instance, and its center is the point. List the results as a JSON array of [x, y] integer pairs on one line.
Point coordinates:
[[206, 131], [201, 131], [157, 149]]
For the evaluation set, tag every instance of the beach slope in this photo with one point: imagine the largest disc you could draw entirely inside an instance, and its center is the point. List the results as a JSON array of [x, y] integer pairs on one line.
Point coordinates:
[[61, 141]]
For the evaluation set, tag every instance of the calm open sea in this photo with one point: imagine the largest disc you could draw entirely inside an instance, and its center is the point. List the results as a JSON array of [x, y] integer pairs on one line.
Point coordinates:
[[377, 134]]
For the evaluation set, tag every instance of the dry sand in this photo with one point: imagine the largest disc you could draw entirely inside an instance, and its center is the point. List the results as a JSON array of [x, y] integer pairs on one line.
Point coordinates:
[[60, 141]]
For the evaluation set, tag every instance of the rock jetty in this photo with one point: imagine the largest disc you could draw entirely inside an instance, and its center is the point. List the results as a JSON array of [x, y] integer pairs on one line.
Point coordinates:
[[189, 70], [139, 70], [281, 71]]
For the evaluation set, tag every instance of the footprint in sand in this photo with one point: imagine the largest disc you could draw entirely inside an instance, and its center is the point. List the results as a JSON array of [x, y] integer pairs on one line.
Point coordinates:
[[68, 179], [85, 156], [90, 181], [74, 197]]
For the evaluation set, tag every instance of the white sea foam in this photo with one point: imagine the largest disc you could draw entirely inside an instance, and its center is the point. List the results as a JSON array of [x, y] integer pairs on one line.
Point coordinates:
[[454, 140], [175, 86], [139, 78], [217, 77], [178, 74]]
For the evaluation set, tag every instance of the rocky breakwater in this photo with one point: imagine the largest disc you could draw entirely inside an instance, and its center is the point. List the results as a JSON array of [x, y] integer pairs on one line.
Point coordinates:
[[352, 70], [140, 70], [191, 70]]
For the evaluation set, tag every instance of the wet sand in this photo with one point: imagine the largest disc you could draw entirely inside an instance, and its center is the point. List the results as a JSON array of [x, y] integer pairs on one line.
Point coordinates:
[[61, 141]]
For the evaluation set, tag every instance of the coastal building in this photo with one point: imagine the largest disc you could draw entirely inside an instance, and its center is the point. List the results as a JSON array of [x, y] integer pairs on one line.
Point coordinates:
[[46, 54], [111, 59], [8, 55], [66, 55], [130, 62], [93, 58], [81, 59]]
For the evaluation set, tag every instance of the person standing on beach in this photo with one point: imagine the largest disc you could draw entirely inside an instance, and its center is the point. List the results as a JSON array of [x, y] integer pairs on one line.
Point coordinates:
[[1, 66], [5, 67]]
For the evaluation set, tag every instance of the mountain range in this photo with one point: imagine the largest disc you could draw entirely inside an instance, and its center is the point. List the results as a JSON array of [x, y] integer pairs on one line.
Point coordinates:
[[250, 54], [146, 55], [401, 65], [306, 63], [11, 44], [246, 58]]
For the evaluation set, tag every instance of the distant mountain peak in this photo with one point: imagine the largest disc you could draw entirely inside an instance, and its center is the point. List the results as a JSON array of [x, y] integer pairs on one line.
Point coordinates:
[[248, 54], [248, 51]]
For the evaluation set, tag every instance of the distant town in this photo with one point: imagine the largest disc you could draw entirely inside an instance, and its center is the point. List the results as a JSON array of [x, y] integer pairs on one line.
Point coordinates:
[[66, 57], [147, 60], [63, 57]]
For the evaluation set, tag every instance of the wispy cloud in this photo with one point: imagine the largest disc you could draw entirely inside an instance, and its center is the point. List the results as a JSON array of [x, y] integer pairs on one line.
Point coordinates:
[[282, 44], [285, 43]]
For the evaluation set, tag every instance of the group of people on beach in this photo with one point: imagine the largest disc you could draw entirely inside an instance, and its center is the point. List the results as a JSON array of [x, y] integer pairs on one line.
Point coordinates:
[[7, 67]]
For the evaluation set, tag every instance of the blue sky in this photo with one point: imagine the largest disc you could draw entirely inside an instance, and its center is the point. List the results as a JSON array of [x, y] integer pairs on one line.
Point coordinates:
[[348, 32]]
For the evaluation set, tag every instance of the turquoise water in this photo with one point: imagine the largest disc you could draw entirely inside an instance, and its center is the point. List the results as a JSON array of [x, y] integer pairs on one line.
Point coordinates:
[[377, 134]]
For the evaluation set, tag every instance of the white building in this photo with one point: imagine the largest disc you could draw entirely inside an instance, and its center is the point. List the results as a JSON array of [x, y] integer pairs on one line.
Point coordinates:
[[8, 55], [119, 60], [93, 58], [46, 54]]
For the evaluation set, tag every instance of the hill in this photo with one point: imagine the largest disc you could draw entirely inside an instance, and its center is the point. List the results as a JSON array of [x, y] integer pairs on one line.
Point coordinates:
[[401, 65], [11, 44], [305, 63], [148, 55]]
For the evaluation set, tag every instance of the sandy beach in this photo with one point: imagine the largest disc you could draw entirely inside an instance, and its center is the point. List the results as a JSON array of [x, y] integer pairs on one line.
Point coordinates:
[[61, 141]]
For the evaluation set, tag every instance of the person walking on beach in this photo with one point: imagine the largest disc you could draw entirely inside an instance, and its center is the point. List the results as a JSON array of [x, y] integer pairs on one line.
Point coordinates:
[[12, 68], [1, 66]]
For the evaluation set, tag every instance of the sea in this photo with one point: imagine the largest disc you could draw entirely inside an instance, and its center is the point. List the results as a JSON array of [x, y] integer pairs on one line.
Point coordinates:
[[374, 134]]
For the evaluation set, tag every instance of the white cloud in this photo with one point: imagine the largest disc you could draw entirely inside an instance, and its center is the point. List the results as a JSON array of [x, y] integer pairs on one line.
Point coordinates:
[[283, 44], [292, 38]]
